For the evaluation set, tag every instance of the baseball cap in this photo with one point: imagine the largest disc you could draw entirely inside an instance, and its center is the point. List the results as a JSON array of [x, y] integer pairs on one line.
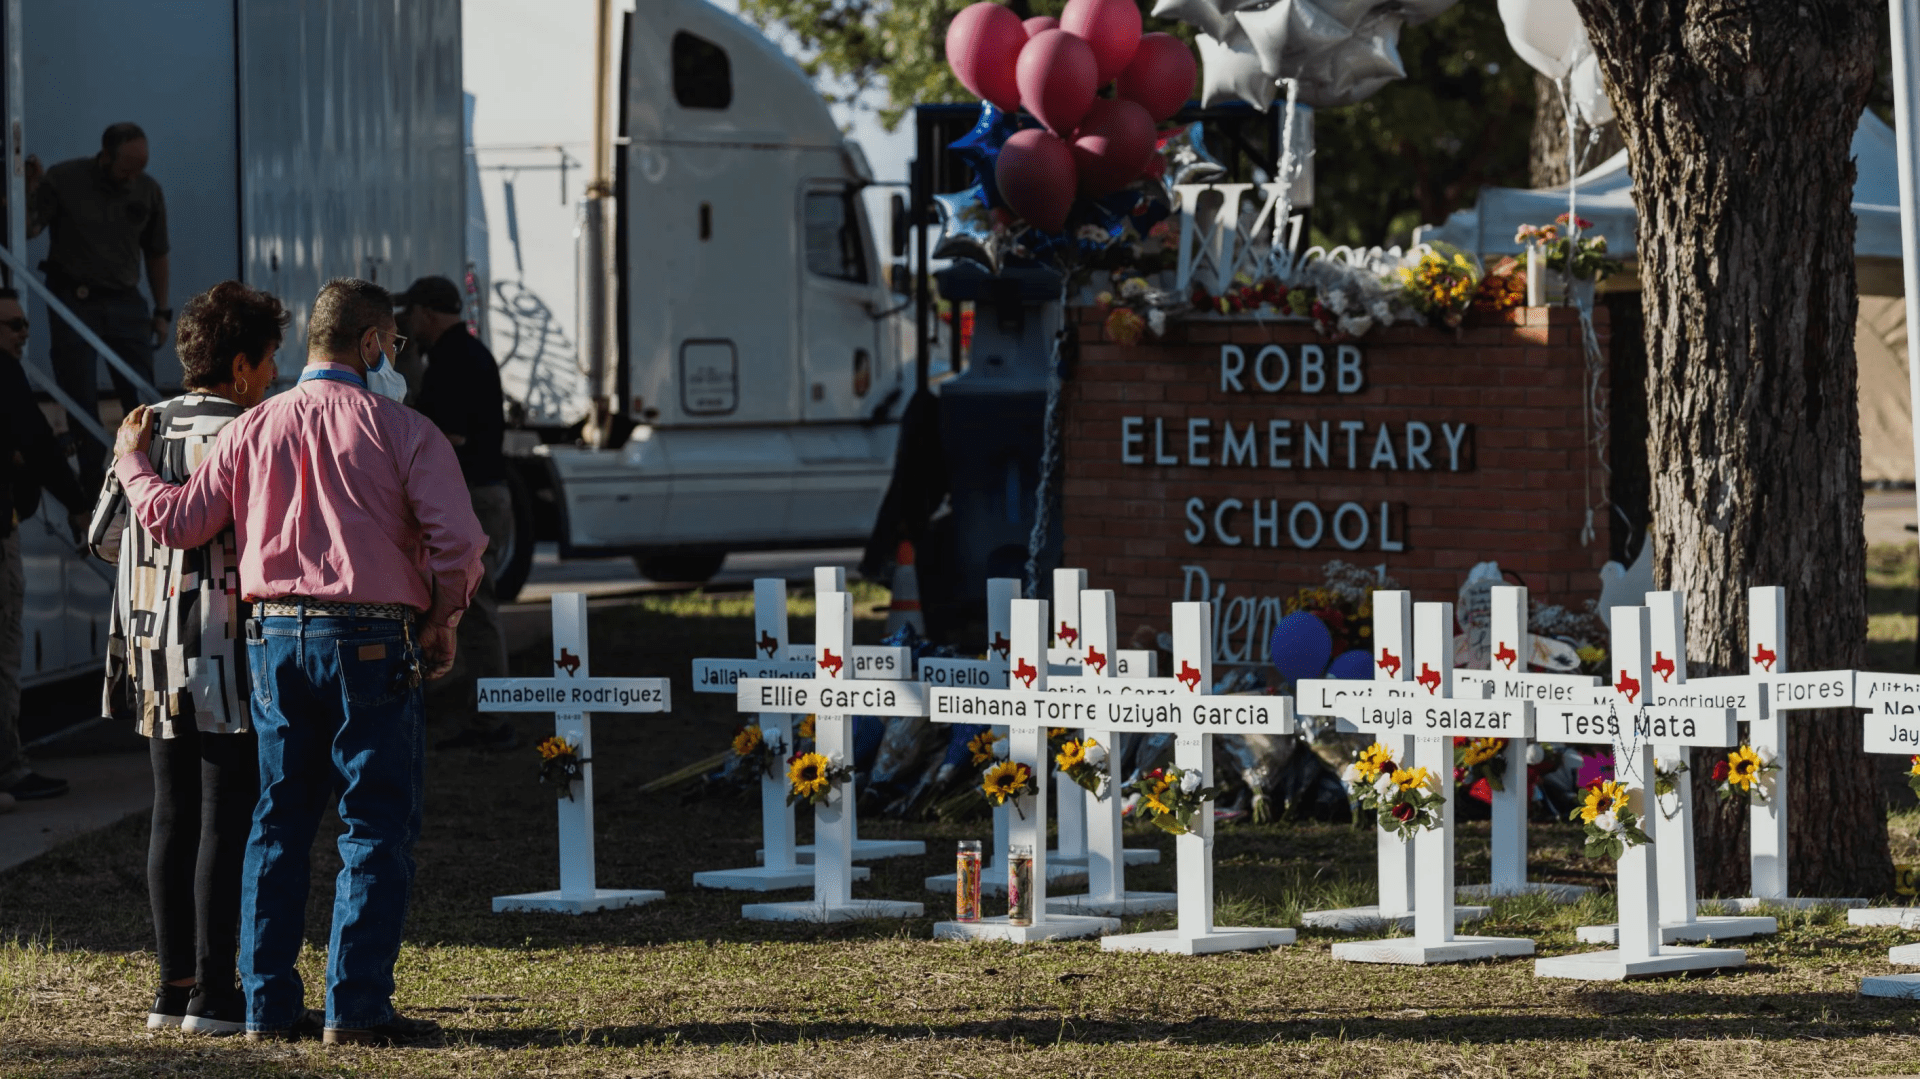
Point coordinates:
[[432, 293]]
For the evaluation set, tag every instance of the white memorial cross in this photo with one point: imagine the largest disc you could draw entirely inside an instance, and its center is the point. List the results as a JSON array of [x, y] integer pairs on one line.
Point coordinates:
[[1632, 726], [780, 865], [569, 694], [1194, 716], [1894, 728], [1392, 677], [1507, 677], [1680, 918], [833, 697], [1787, 691], [1434, 717], [1027, 710], [1106, 853]]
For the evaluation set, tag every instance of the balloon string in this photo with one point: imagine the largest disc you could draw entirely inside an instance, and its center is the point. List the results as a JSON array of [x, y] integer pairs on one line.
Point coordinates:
[[1289, 170]]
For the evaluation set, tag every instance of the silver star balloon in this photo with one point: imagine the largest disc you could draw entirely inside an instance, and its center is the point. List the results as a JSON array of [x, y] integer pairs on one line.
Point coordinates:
[[1358, 67], [1206, 16], [1289, 28], [1231, 69], [1341, 51]]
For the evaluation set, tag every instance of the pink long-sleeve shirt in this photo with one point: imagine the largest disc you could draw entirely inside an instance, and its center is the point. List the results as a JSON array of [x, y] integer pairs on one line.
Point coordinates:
[[335, 493]]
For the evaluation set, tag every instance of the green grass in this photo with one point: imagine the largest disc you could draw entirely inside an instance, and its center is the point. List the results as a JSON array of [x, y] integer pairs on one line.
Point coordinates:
[[685, 987]]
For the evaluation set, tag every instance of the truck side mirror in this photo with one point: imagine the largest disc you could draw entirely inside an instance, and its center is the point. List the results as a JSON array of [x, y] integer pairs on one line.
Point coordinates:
[[900, 279], [899, 228]]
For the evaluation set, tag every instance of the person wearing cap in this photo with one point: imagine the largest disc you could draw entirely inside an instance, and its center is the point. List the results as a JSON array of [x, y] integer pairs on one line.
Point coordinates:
[[359, 552], [460, 393]]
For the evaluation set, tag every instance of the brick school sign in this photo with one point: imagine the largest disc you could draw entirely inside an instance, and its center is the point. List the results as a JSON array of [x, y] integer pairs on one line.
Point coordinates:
[[1230, 460]]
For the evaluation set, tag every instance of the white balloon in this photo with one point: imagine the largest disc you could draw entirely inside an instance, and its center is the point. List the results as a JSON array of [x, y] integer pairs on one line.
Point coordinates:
[[1231, 69], [1543, 32], [1589, 91], [1206, 16], [1289, 29]]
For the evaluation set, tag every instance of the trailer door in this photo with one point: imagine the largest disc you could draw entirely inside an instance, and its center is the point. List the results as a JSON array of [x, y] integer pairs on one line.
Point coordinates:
[[840, 337]]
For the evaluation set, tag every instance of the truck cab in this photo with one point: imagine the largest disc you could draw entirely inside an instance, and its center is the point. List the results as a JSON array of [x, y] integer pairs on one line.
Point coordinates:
[[759, 372]]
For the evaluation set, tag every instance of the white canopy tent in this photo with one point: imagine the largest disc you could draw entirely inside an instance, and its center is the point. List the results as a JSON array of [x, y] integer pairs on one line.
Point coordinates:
[[1880, 342]]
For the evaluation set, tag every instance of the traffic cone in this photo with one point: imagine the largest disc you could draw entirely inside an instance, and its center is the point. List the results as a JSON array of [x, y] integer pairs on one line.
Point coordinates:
[[905, 608]]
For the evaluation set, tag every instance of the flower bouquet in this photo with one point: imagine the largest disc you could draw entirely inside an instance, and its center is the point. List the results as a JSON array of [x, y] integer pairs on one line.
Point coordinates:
[[561, 764], [1480, 760], [1611, 824], [753, 752], [812, 778], [1171, 797], [1913, 776], [1407, 799], [1746, 775], [1442, 283], [1584, 259], [1085, 762], [1006, 781]]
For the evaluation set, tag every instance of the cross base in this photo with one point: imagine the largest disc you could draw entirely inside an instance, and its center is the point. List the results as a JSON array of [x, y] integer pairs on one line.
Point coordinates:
[[1407, 951], [1614, 966], [1052, 927], [1126, 903], [809, 911], [573, 902], [995, 883], [1707, 927], [1796, 902], [1369, 919], [759, 878], [1897, 917], [864, 850], [1560, 893], [1132, 856], [1907, 954], [1173, 942], [1904, 986]]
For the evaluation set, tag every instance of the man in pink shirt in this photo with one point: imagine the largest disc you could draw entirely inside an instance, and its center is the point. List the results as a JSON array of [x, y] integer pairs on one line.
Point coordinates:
[[359, 550]]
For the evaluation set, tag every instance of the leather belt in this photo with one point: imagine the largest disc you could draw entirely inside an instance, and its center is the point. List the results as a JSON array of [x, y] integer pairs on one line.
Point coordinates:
[[301, 607]]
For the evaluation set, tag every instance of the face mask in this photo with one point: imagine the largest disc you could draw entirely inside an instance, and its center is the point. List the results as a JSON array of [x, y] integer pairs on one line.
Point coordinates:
[[386, 381]]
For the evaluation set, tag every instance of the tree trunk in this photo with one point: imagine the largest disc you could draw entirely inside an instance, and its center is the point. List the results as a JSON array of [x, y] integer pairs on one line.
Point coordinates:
[[1738, 120], [1547, 148]]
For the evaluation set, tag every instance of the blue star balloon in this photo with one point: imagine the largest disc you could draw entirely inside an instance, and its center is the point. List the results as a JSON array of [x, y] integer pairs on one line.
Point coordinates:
[[980, 148]]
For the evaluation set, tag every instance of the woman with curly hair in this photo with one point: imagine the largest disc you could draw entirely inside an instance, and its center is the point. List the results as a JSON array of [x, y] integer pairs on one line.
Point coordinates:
[[176, 664]]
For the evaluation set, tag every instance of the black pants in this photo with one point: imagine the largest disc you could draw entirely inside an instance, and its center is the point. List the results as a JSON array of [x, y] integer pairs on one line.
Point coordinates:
[[204, 790], [125, 323]]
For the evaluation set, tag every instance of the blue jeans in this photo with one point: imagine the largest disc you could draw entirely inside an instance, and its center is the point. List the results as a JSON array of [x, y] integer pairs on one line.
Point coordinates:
[[337, 705]]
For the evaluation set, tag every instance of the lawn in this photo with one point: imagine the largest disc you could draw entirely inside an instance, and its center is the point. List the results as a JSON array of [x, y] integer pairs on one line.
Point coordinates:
[[685, 987]]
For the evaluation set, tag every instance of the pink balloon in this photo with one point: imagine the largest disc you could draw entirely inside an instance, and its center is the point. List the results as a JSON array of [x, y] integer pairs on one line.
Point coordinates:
[[1057, 74], [1036, 177], [983, 43], [1039, 23], [1115, 142], [1112, 27], [1160, 76]]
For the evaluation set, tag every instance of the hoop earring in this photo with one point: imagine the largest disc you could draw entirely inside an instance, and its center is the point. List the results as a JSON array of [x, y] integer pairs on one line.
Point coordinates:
[[240, 387]]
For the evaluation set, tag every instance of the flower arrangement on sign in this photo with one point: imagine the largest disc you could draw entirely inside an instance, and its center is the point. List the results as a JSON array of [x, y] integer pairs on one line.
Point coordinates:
[[1745, 775], [1085, 762], [1442, 282], [1407, 800], [753, 753], [1913, 776], [1584, 259], [1666, 784], [813, 777], [561, 764], [1609, 820], [1005, 781], [1503, 289], [1172, 797], [1480, 760]]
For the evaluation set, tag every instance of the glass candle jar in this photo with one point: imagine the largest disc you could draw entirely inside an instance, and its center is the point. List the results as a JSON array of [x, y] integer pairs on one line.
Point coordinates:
[[966, 882], [1020, 885]]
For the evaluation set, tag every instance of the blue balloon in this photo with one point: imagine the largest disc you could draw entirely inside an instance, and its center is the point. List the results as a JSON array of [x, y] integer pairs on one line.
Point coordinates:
[[980, 147], [1357, 664], [1301, 646]]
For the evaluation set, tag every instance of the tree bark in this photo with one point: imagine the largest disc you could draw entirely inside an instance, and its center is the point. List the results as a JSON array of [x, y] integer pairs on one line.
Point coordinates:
[[1547, 147], [1738, 120]]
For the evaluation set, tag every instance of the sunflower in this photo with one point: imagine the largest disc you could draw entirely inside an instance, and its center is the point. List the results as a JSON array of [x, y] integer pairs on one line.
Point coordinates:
[[1482, 750], [1743, 767], [1152, 801], [745, 742], [1915, 770], [805, 729], [1375, 759], [1606, 796], [554, 747], [1056, 732], [1008, 779], [1072, 755], [981, 746], [808, 775], [1409, 778]]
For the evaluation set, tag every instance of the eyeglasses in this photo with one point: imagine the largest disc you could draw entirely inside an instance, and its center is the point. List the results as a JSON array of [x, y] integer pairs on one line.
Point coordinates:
[[399, 342], [17, 325]]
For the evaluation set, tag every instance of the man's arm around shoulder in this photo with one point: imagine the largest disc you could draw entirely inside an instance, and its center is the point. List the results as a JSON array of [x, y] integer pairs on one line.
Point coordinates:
[[178, 517]]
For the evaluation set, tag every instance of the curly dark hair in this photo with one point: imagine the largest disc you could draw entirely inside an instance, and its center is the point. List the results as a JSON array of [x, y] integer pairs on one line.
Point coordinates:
[[228, 319]]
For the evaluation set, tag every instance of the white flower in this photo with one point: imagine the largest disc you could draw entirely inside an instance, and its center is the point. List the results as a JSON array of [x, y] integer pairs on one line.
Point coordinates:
[[1337, 300], [1189, 782], [1350, 775], [1606, 822], [1383, 785], [1157, 321], [1355, 325], [1535, 753], [1382, 311], [1766, 756], [1097, 756]]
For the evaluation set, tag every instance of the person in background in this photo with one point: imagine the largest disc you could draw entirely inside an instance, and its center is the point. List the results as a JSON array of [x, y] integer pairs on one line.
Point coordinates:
[[460, 393], [30, 458], [175, 660], [359, 551], [108, 217]]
